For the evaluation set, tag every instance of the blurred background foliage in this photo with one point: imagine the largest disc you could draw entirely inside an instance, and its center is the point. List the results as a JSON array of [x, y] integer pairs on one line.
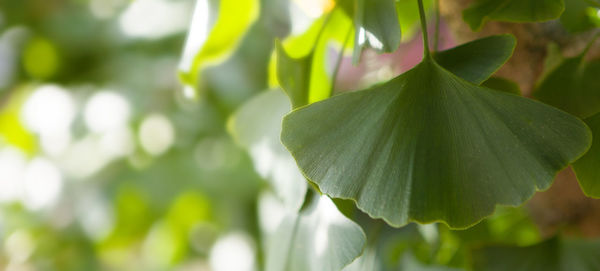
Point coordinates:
[[114, 147]]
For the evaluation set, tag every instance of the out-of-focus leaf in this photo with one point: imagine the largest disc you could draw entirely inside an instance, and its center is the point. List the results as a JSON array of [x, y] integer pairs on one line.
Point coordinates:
[[294, 75], [376, 25], [554, 254], [477, 60], [314, 45], [40, 59], [572, 86], [256, 126], [576, 18], [319, 238], [502, 84], [587, 168], [410, 263], [204, 46], [12, 130], [429, 146], [512, 11]]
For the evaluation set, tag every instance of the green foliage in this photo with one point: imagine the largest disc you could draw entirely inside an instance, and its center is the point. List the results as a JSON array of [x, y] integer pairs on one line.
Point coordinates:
[[416, 159], [375, 23], [586, 167], [572, 86], [269, 170], [476, 61], [512, 11], [319, 237], [555, 254]]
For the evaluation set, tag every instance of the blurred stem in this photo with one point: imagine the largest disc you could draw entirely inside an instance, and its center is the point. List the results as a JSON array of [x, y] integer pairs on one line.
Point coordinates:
[[339, 62], [436, 38], [426, 53]]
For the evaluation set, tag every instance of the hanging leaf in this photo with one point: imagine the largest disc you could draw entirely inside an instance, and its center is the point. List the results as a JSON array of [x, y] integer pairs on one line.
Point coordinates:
[[256, 126], [376, 25], [502, 84], [294, 75], [204, 46], [319, 238], [429, 146], [554, 254], [572, 86], [586, 168], [309, 50], [576, 18], [512, 11], [477, 60]]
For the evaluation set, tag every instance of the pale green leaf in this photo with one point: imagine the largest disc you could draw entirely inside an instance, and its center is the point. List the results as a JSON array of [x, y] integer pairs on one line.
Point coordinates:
[[232, 21], [429, 146], [319, 238], [256, 126], [311, 51], [512, 11]]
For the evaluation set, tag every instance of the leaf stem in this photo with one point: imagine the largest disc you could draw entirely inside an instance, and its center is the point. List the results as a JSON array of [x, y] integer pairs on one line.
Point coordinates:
[[426, 53], [338, 62]]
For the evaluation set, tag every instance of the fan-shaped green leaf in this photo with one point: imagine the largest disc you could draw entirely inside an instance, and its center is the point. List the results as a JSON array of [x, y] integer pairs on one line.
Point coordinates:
[[551, 255], [430, 146], [512, 11], [502, 84], [256, 126], [320, 238], [572, 86], [587, 168], [477, 60]]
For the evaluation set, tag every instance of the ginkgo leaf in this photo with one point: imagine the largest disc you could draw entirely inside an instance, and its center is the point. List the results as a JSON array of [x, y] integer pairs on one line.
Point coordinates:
[[477, 60], [429, 146], [572, 86], [376, 25], [502, 84], [554, 254], [319, 238], [256, 126], [587, 168], [512, 11]]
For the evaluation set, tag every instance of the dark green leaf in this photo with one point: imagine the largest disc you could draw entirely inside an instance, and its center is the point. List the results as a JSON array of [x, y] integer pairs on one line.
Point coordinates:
[[587, 168], [512, 11], [256, 126], [572, 86], [429, 146], [551, 255], [575, 18], [476, 61], [320, 238], [502, 84]]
